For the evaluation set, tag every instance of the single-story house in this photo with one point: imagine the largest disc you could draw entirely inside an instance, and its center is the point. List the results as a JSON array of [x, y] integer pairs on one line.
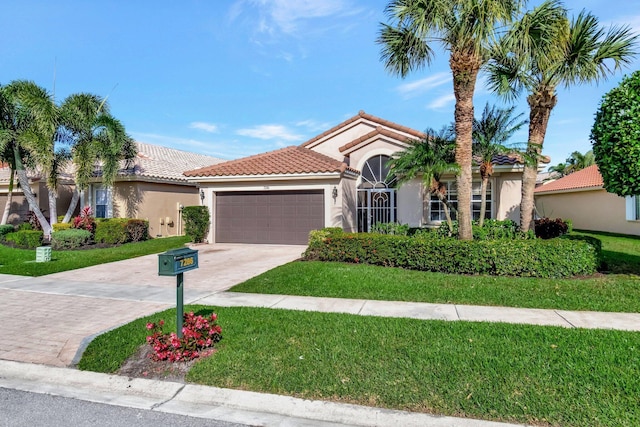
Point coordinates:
[[581, 197], [336, 179], [152, 188]]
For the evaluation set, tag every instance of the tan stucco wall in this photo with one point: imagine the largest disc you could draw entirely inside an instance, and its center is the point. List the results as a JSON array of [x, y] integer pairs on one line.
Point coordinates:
[[594, 210], [507, 195], [20, 207], [349, 205], [156, 202], [411, 203]]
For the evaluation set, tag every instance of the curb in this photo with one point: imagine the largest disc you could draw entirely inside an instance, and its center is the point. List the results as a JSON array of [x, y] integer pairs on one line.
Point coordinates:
[[245, 407]]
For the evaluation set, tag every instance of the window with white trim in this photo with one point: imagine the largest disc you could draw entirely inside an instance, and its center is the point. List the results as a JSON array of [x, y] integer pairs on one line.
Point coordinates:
[[632, 208], [102, 202], [436, 207]]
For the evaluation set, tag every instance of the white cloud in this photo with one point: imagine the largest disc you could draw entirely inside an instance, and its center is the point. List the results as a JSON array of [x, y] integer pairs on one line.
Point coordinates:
[[207, 127], [313, 125], [409, 90], [442, 101], [270, 132], [286, 15]]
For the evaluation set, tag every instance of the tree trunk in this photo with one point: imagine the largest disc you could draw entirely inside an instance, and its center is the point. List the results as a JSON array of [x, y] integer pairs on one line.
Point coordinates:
[[53, 209], [7, 205], [21, 173], [72, 205], [447, 208], [540, 104], [483, 200], [465, 71]]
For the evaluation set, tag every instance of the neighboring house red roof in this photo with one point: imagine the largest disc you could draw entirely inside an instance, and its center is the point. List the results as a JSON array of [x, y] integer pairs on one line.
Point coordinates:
[[288, 160], [369, 117], [586, 178]]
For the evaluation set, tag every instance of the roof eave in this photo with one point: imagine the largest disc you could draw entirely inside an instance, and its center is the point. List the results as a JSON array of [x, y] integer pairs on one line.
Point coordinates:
[[271, 177]]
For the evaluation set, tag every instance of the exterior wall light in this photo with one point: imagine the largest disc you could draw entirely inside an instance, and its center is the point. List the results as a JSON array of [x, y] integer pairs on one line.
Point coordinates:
[[202, 195], [334, 192]]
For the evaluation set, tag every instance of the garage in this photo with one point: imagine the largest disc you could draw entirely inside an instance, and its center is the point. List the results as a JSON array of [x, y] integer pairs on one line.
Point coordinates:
[[276, 217]]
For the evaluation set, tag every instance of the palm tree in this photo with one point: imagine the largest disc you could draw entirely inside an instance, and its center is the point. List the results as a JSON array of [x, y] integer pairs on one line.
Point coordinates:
[[29, 116], [95, 138], [490, 134], [543, 51], [465, 28], [431, 157]]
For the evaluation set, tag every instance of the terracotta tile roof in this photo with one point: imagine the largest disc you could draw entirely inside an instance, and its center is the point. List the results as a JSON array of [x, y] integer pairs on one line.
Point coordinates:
[[378, 131], [288, 160], [163, 163], [588, 177], [369, 117]]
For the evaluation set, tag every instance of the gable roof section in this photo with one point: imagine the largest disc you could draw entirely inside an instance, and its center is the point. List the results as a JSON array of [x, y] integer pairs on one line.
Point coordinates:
[[370, 137], [588, 178], [166, 164], [290, 160], [360, 117]]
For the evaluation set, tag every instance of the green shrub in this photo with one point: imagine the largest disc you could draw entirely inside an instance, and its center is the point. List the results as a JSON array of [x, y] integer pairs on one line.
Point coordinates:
[[111, 231], [25, 226], [137, 230], [6, 229], [531, 258], [196, 222], [61, 226], [319, 235], [71, 238], [390, 228], [491, 230], [26, 239], [547, 228]]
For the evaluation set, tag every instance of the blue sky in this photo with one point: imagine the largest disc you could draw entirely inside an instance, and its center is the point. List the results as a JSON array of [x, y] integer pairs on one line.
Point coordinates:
[[240, 77]]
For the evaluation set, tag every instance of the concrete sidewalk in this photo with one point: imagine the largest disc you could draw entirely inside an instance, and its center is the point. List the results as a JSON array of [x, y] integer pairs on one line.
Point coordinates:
[[427, 311]]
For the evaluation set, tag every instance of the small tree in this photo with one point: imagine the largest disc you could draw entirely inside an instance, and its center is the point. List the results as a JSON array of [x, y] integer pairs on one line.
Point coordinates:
[[196, 222], [616, 137]]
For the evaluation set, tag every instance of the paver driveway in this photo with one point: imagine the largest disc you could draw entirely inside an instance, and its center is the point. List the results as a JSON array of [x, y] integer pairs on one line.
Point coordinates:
[[45, 319]]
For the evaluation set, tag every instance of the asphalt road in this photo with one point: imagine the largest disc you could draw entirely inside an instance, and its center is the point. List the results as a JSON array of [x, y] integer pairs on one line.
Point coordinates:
[[19, 409]]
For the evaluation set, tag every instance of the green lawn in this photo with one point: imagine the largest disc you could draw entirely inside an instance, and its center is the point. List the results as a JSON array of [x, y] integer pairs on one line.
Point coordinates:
[[22, 261], [618, 290], [516, 373]]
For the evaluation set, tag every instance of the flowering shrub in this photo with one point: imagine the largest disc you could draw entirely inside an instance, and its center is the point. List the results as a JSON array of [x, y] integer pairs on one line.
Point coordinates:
[[199, 334], [85, 221]]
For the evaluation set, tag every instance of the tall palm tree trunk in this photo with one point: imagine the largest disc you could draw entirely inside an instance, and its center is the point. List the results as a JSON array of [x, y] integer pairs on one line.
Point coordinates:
[[483, 200], [21, 173], [72, 205], [53, 210], [463, 86], [7, 205], [540, 110]]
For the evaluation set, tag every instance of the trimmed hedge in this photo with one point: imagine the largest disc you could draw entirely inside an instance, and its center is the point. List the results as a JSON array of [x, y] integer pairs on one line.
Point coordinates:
[[530, 258], [137, 230], [491, 230], [26, 239], [61, 226], [6, 229], [112, 231], [71, 238]]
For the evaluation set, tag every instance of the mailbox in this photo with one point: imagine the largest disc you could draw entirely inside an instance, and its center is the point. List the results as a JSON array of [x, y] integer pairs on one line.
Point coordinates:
[[176, 261]]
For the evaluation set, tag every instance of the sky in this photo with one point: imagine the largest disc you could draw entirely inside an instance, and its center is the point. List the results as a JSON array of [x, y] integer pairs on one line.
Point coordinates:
[[232, 78]]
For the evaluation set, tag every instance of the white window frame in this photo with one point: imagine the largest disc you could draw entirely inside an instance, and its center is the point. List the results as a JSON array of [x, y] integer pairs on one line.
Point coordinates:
[[94, 198], [632, 204], [435, 205]]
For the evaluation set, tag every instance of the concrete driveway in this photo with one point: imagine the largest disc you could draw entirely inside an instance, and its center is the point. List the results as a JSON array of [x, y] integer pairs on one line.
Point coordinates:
[[46, 319]]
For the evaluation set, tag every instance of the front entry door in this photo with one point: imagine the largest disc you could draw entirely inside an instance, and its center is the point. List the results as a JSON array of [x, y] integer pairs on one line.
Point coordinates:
[[374, 206]]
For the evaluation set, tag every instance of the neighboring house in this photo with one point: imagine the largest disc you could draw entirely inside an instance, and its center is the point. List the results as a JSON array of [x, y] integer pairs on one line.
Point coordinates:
[[336, 179], [19, 209], [581, 197], [153, 188]]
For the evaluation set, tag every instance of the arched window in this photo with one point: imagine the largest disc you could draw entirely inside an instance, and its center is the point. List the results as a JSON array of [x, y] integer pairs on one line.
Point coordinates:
[[374, 173]]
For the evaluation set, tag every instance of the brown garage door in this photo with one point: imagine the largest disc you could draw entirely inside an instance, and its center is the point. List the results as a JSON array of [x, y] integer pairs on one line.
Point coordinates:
[[279, 217]]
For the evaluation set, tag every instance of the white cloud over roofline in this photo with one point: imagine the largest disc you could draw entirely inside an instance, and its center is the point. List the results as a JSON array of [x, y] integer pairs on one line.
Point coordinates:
[[270, 132], [207, 127]]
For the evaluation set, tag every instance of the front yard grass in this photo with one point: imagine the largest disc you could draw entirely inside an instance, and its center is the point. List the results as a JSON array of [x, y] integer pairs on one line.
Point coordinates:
[[516, 373], [22, 261], [616, 291]]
